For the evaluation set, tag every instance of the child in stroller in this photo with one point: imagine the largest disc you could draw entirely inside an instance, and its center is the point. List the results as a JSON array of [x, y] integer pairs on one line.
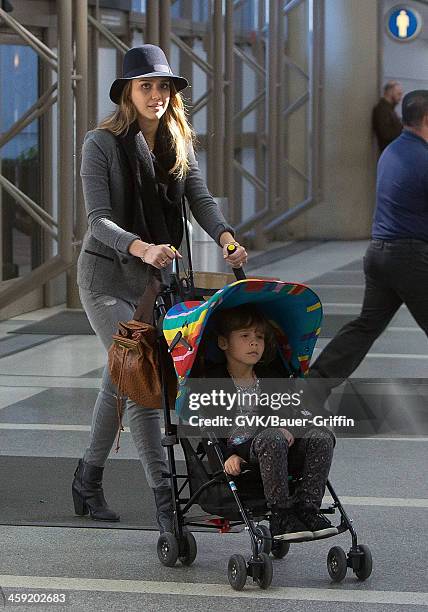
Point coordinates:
[[248, 343], [294, 313]]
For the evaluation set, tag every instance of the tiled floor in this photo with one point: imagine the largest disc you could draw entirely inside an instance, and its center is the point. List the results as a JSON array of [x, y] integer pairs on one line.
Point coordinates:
[[46, 397]]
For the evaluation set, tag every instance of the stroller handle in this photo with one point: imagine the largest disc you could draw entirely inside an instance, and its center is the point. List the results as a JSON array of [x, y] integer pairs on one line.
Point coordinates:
[[238, 272]]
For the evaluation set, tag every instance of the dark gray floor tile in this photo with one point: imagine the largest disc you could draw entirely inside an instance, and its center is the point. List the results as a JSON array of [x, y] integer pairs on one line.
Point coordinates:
[[17, 343], [339, 277], [282, 252], [349, 295], [58, 405], [354, 265], [65, 322]]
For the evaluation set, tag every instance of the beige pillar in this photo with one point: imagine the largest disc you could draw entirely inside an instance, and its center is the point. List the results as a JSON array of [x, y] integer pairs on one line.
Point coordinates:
[[348, 156], [293, 145]]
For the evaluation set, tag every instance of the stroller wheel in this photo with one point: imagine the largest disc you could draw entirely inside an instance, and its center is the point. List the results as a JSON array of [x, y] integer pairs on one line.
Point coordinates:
[[237, 572], [337, 564], [264, 539], [366, 563], [167, 549], [189, 549], [264, 581], [280, 548]]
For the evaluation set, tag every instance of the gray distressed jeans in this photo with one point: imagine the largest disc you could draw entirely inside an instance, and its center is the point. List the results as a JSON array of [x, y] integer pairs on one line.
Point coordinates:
[[104, 312]]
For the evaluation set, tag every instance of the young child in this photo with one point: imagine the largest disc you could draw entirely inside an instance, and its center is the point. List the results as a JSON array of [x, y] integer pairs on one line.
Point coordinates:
[[248, 343]]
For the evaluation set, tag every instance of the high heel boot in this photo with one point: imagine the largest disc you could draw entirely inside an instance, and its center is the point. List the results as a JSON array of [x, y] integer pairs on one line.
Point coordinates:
[[88, 495], [164, 509]]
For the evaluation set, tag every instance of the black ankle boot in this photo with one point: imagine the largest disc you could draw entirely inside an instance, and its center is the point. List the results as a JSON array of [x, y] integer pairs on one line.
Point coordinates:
[[88, 493], [165, 511]]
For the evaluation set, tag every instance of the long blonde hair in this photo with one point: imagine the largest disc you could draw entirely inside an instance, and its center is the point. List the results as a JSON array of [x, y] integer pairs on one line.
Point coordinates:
[[173, 122]]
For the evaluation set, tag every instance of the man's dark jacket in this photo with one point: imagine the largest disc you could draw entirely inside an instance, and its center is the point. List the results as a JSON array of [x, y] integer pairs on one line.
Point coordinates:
[[386, 123]]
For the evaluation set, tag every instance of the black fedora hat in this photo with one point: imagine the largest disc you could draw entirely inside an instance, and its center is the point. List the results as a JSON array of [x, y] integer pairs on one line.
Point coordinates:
[[145, 61]]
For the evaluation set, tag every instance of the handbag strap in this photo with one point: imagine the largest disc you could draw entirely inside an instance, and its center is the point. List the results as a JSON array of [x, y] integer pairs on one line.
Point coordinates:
[[119, 398], [145, 308], [189, 253]]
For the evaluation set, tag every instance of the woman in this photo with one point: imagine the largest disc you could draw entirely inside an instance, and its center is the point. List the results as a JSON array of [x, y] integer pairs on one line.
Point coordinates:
[[136, 166]]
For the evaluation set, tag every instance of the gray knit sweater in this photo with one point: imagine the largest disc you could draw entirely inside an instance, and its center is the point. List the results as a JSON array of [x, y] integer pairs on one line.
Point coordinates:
[[105, 264]]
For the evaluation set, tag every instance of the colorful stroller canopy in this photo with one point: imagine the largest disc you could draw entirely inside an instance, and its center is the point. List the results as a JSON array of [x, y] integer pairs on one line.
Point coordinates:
[[294, 311]]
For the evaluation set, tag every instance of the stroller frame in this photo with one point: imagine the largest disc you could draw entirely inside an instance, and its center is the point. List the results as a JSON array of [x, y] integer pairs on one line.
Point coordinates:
[[181, 544]]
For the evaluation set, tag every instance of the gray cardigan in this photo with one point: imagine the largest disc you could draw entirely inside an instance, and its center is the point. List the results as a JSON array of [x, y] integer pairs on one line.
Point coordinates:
[[105, 264]]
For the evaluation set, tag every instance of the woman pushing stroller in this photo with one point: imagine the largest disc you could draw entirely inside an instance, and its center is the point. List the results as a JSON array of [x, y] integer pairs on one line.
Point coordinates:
[[136, 167], [248, 344]]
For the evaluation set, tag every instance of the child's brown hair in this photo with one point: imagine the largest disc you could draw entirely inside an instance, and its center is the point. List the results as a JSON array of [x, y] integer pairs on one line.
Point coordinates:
[[225, 321]]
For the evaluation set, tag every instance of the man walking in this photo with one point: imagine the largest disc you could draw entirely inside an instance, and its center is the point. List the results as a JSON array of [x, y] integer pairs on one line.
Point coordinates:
[[396, 261], [386, 123]]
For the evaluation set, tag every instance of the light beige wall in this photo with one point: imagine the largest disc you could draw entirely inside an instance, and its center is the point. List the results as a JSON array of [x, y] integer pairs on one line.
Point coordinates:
[[348, 152]]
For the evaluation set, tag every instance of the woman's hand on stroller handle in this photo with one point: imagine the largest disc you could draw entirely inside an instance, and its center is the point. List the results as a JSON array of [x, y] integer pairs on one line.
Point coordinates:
[[160, 255], [234, 254]]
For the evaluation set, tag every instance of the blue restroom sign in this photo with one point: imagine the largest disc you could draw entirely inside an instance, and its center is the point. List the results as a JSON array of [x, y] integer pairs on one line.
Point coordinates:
[[403, 23]]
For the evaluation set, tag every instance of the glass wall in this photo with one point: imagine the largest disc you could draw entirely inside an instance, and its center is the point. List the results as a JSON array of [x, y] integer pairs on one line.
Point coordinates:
[[199, 9], [19, 159], [107, 58], [246, 15]]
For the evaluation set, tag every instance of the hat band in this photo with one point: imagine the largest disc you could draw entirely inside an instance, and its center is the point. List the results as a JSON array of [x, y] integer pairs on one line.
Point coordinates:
[[147, 69]]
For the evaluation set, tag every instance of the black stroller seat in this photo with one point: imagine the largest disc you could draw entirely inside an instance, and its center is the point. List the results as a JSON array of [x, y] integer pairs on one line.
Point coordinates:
[[206, 475]]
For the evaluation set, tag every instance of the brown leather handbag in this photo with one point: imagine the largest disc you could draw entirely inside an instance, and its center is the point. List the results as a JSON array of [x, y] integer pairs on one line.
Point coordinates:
[[133, 363], [134, 360]]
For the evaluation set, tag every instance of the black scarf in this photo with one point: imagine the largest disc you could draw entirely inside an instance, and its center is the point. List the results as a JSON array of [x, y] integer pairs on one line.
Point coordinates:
[[152, 196]]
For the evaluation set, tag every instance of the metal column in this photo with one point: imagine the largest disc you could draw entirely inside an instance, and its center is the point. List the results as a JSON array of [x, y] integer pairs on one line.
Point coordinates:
[[260, 54], [65, 140], [94, 43], [218, 99], [185, 62], [229, 104], [271, 106], [152, 22], [81, 93], [165, 26]]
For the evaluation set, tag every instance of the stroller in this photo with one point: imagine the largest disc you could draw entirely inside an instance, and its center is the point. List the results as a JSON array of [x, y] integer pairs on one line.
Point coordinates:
[[295, 312]]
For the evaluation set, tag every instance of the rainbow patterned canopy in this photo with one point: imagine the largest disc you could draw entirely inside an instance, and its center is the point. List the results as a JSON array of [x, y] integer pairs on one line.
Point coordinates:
[[294, 311]]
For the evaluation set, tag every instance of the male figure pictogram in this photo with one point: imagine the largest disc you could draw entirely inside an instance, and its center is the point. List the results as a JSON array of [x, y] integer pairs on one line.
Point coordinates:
[[402, 22]]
